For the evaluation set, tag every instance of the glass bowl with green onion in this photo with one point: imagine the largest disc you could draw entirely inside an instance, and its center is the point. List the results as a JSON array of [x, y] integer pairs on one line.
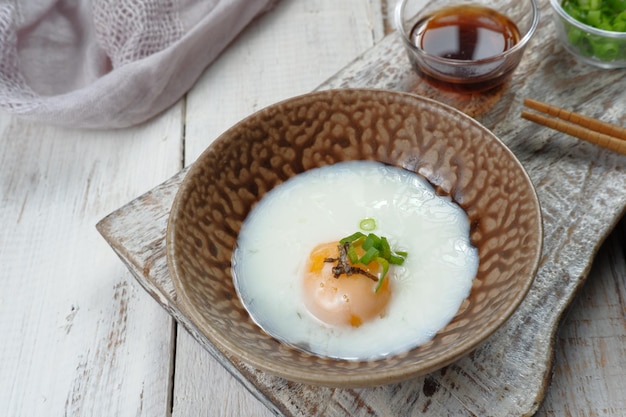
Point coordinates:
[[593, 30]]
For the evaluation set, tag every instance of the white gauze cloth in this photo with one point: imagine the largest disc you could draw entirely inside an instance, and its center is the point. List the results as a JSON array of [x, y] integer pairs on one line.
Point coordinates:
[[110, 63]]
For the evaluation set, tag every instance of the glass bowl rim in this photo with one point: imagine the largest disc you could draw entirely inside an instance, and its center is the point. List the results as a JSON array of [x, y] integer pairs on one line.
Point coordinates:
[[518, 47]]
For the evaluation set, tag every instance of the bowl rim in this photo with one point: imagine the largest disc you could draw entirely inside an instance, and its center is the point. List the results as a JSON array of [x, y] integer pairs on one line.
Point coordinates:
[[363, 378], [556, 6], [518, 47]]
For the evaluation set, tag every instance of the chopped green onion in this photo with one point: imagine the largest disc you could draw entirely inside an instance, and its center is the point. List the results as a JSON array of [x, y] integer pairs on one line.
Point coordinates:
[[609, 15], [594, 18], [396, 260], [368, 224], [607, 50], [595, 12], [374, 248], [369, 256], [371, 241], [383, 273], [620, 25], [619, 5], [352, 255], [351, 238], [385, 249]]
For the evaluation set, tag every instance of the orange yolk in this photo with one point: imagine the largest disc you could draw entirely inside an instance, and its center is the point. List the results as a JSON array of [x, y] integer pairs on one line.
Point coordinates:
[[347, 300]]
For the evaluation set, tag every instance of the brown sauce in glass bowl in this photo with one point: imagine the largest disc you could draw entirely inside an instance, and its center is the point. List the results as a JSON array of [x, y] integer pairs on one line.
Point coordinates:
[[465, 33]]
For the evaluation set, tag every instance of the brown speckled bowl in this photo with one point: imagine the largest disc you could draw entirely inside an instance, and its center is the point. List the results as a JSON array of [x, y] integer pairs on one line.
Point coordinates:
[[455, 153]]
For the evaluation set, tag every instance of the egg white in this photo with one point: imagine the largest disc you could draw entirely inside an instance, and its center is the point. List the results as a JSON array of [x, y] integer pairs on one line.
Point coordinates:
[[327, 204]]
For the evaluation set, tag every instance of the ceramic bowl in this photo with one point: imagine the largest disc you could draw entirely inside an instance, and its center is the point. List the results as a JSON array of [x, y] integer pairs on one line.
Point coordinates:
[[600, 48], [459, 157], [481, 70]]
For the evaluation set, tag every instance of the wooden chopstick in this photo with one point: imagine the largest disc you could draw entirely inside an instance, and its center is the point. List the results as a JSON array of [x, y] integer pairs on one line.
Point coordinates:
[[583, 127], [577, 118]]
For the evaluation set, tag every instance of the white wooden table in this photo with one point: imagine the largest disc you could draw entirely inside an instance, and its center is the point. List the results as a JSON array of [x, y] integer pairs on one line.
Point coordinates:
[[78, 335]]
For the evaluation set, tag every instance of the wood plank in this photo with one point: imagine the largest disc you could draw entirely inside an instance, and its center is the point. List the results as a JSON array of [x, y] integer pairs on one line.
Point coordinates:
[[590, 354], [80, 337], [287, 52], [284, 53]]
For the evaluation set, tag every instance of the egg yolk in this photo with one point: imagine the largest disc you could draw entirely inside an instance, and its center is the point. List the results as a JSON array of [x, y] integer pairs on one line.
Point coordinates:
[[345, 300]]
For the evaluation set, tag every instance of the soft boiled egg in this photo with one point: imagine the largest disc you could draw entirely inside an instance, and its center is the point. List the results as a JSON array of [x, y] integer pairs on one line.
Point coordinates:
[[348, 296], [298, 282]]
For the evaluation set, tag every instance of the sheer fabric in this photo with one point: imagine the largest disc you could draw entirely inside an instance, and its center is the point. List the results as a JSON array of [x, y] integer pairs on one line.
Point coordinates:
[[110, 63]]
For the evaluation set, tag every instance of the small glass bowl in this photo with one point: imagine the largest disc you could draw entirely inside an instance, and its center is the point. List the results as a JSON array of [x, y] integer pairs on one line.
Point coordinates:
[[466, 75], [601, 48]]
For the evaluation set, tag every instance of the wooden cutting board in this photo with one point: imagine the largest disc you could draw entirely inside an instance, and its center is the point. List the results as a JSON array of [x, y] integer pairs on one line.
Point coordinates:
[[582, 192]]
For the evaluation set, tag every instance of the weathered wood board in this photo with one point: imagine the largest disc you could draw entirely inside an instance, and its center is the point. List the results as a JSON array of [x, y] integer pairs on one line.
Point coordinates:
[[77, 336], [590, 351], [582, 192]]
